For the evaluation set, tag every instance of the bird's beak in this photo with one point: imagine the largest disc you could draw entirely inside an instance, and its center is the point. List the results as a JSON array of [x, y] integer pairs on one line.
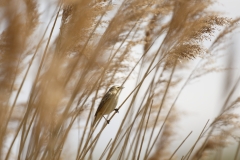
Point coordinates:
[[121, 87]]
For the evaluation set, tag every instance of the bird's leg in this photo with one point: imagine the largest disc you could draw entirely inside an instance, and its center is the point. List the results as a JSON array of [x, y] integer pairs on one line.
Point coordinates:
[[116, 110], [106, 120]]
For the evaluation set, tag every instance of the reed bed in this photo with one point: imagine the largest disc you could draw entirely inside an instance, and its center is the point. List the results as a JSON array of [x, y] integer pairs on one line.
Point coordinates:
[[85, 47]]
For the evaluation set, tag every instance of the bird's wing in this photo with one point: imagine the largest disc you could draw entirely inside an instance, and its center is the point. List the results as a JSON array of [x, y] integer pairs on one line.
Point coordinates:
[[103, 101]]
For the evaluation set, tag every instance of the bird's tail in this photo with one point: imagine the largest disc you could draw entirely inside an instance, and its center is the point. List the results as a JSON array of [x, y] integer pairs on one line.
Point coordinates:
[[96, 118]]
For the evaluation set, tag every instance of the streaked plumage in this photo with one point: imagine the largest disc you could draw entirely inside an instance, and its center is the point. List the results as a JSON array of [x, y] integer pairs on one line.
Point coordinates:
[[108, 103]]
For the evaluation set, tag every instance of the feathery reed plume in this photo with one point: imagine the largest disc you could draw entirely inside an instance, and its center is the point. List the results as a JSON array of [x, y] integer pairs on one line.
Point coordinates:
[[89, 46]]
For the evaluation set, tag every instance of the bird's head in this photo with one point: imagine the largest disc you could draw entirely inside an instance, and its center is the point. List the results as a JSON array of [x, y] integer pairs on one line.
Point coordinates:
[[116, 88]]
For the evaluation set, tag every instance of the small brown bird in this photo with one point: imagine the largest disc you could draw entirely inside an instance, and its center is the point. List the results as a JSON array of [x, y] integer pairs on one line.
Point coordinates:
[[108, 103]]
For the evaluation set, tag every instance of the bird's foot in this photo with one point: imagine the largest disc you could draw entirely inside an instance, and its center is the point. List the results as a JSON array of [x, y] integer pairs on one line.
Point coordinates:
[[116, 110], [106, 120]]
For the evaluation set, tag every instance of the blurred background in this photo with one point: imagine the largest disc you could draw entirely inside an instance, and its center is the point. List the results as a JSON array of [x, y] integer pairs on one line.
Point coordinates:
[[201, 100]]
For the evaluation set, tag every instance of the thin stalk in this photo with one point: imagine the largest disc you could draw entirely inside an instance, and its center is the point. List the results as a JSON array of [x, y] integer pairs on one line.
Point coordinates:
[[137, 134], [237, 151], [148, 150], [213, 126], [180, 145], [143, 138], [140, 130], [131, 145], [105, 150], [191, 150], [127, 132]]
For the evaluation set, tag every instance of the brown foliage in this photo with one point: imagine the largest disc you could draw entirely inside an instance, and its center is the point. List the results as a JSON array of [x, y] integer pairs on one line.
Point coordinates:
[[92, 50]]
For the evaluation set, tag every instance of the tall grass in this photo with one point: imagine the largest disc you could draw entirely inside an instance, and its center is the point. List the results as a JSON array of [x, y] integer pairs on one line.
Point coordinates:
[[95, 48]]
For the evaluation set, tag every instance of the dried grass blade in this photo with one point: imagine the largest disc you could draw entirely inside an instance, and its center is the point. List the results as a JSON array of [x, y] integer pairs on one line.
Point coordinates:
[[237, 151], [148, 150], [201, 134], [105, 150], [145, 129], [180, 145]]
